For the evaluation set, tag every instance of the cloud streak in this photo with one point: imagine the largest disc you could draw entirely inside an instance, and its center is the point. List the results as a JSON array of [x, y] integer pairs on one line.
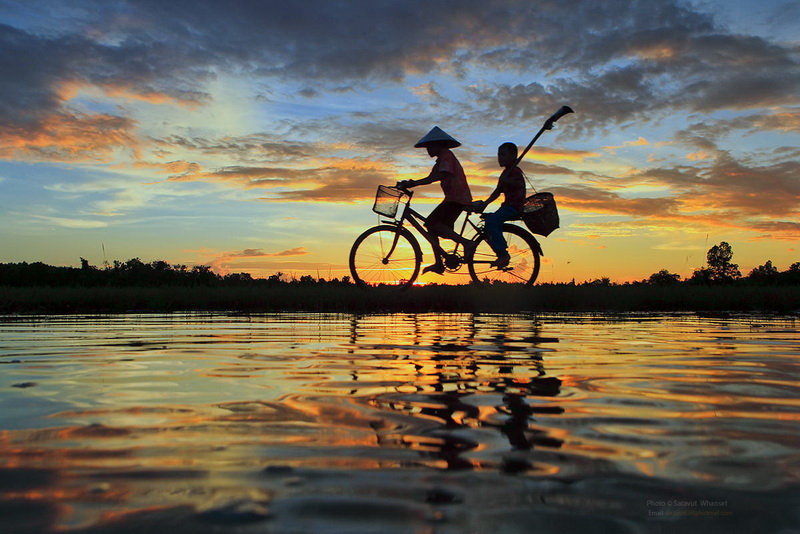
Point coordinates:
[[226, 262], [613, 68]]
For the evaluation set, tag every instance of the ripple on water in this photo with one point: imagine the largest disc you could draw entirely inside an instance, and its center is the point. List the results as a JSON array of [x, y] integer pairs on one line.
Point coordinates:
[[403, 422]]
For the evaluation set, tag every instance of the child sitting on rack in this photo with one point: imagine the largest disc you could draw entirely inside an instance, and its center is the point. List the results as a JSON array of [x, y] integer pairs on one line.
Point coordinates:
[[512, 184]]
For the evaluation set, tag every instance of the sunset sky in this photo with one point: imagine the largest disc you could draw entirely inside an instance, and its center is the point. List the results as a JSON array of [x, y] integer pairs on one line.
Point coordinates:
[[251, 135]]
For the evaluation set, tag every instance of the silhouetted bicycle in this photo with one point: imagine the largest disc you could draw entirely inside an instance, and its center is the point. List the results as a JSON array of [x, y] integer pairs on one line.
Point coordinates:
[[389, 254]]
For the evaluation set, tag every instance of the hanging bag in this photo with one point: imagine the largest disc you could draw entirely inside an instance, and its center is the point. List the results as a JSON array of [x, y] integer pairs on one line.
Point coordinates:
[[540, 214]]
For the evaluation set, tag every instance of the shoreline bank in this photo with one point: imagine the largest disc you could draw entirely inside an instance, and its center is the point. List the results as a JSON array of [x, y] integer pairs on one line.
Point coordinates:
[[344, 298]]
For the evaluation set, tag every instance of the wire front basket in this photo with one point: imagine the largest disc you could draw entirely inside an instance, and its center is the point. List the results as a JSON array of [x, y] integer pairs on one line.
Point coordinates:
[[388, 200]]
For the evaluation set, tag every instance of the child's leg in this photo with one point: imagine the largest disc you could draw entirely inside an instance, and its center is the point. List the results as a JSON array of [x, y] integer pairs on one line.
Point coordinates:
[[494, 228], [494, 232]]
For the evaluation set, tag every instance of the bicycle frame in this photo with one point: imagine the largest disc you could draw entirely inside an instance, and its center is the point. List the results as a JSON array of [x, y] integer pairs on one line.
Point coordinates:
[[417, 221]]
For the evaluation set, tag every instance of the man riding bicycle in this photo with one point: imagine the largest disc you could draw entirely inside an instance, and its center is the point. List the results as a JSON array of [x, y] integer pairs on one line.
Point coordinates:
[[457, 197]]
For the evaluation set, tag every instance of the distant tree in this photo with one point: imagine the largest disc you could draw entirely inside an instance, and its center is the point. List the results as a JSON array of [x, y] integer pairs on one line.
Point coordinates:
[[764, 274], [790, 277], [604, 282], [203, 275], [663, 278], [160, 265], [719, 263], [275, 279], [237, 278], [701, 276]]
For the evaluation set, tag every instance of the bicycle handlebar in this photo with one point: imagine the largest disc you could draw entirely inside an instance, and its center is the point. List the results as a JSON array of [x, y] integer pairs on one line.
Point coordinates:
[[405, 190]]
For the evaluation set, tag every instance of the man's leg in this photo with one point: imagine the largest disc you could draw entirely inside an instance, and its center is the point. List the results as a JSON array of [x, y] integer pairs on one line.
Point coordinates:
[[440, 224], [438, 251], [447, 232]]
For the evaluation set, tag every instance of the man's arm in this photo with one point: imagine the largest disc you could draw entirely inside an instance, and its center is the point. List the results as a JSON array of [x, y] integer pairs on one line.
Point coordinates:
[[433, 177]]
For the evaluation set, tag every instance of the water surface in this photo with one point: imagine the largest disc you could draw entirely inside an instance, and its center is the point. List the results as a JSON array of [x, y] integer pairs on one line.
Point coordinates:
[[399, 423]]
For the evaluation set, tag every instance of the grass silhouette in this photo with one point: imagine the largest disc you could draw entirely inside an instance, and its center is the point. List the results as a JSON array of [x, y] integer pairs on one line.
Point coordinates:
[[349, 299], [160, 287]]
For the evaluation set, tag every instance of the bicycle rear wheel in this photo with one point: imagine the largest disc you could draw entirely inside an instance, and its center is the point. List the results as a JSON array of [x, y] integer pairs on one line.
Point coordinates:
[[385, 255], [525, 262]]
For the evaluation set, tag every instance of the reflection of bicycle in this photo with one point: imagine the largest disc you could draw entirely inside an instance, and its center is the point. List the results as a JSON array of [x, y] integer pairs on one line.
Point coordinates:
[[389, 254]]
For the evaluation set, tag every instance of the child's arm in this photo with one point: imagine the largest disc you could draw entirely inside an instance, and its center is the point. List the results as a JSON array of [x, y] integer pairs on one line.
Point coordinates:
[[494, 195], [480, 205]]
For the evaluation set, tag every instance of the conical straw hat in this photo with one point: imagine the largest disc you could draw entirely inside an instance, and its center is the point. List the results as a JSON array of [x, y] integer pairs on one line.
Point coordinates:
[[437, 134]]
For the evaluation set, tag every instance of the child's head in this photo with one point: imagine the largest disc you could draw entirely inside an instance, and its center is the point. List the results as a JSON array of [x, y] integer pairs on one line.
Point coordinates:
[[507, 154]]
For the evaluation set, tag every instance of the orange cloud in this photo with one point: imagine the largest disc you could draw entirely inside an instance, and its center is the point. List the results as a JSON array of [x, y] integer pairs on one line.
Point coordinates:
[[259, 253], [593, 200], [656, 52], [639, 142], [698, 156], [724, 198], [177, 170], [786, 121], [335, 180], [224, 262], [67, 90], [560, 154], [69, 138]]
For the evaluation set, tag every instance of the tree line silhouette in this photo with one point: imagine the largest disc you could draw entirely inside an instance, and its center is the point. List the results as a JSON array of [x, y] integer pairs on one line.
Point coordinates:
[[135, 272], [719, 271]]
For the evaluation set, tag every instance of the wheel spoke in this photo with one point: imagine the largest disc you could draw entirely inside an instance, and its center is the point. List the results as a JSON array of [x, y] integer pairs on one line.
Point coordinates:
[[523, 267], [385, 255]]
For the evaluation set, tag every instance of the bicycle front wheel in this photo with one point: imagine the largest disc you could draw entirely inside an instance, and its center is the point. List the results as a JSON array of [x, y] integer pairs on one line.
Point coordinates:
[[525, 262], [385, 255]]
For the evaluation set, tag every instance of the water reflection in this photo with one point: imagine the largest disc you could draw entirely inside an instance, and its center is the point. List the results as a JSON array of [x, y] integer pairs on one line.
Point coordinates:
[[420, 420], [446, 404]]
